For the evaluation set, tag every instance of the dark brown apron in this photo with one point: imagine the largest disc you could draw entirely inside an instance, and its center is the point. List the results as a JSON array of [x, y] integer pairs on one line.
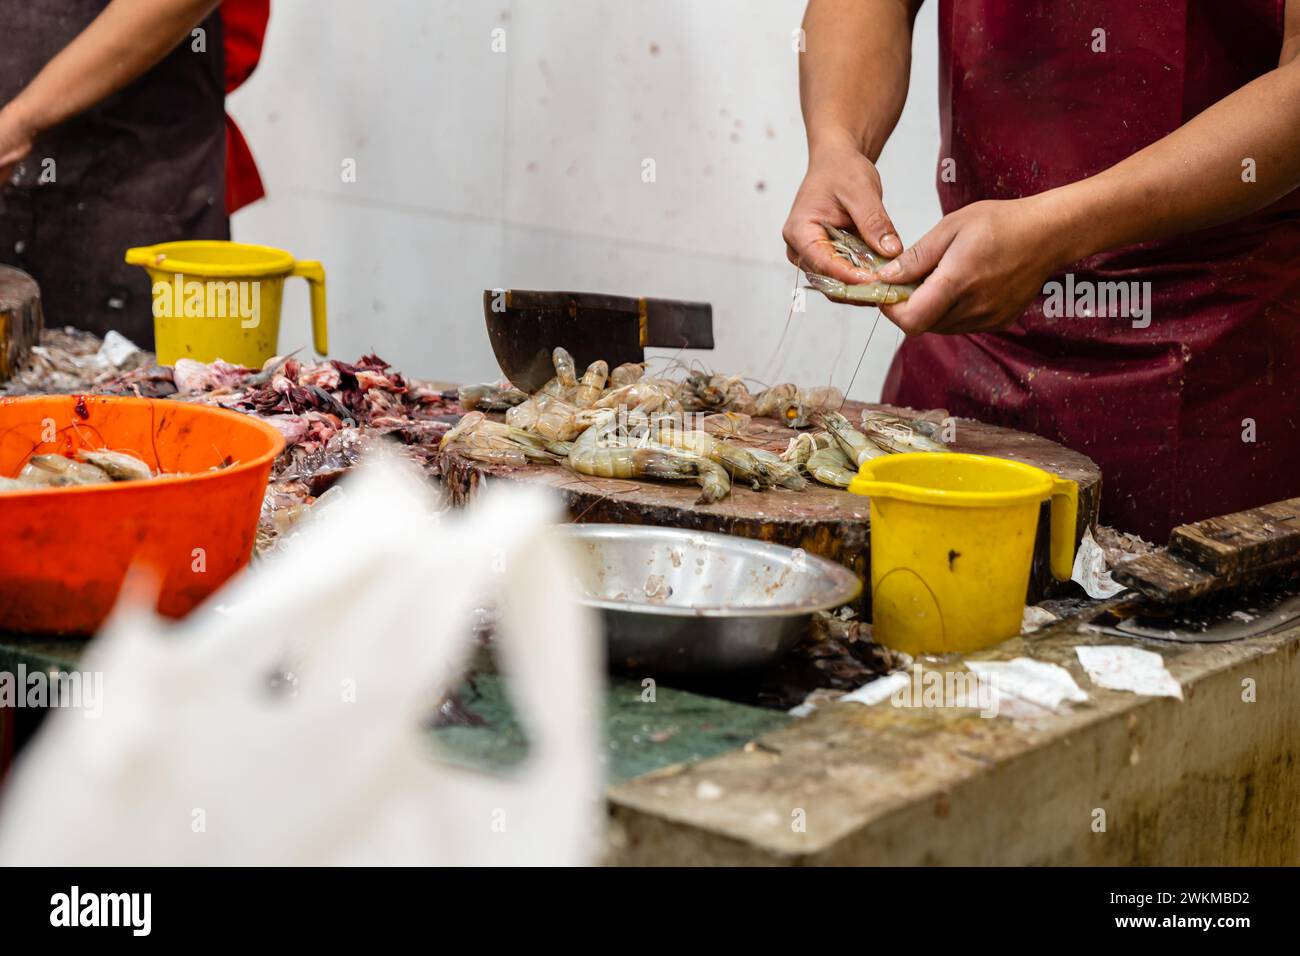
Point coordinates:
[[146, 165]]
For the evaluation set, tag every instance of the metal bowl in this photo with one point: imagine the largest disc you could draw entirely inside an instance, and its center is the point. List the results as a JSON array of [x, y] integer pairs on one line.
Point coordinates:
[[676, 600]]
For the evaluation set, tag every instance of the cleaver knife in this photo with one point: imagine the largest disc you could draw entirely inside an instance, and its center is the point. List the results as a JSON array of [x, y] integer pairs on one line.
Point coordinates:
[[524, 327]]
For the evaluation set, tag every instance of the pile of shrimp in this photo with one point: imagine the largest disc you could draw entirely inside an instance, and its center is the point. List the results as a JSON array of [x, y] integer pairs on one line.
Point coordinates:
[[623, 423], [90, 467], [834, 455]]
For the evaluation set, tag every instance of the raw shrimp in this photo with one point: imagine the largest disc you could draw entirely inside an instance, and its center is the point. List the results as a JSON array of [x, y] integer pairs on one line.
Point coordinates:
[[928, 428], [798, 412], [533, 446], [55, 471], [726, 424], [694, 395], [740, 462], [803, 445], [702, 392], [641, 426], [732, 388], [783, 473], [932, 423], [491, 450], [793, 414], [898, 434], [467, 424], [857, 446], [525, 416], [498, 449], [850, 246], [592, 385], [596, 454], [626, 374], [715, 484], [873, 293], [486, 440], [565, 381], [559, 420], [769, 402], [653, 462], [489, 397], [623, 461], [565, 370], [831, 467], [647, 395], [118, 465]]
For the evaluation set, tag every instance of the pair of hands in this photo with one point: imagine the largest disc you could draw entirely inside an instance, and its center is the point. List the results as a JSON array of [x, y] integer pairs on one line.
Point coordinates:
[[982, 264]]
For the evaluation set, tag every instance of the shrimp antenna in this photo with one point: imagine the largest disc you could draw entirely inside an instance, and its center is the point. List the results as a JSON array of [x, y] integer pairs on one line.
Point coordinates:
[[770, 369], [860, 358], [670, 362]]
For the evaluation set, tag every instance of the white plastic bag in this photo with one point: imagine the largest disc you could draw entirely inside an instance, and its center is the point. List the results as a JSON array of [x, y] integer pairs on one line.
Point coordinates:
[[195, 761]]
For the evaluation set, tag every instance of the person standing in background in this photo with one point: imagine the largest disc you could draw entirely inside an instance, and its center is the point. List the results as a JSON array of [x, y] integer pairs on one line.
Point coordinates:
[[113, 134], [244, 24]]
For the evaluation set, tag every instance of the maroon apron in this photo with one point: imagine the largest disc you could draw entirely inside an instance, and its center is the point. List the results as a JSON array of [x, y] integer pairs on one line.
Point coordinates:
[[145, 165], [1197, 414]]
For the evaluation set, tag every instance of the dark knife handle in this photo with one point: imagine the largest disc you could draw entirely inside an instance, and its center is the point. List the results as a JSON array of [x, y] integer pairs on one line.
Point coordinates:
[[673, 324]]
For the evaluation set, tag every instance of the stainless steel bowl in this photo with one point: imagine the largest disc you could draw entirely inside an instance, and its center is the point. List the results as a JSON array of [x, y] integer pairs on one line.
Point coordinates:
[[676, 600]]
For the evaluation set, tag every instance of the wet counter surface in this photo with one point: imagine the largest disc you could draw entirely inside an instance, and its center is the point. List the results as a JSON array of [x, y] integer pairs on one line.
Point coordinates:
[[646, 728], [1213, 778]]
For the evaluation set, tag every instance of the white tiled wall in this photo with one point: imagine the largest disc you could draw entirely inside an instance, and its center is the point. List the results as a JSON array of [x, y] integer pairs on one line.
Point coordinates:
[[478, 169]]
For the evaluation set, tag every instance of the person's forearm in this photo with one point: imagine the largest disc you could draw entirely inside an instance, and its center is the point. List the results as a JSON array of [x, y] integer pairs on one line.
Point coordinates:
[[853, 75], [123, 42], [1195, 177]]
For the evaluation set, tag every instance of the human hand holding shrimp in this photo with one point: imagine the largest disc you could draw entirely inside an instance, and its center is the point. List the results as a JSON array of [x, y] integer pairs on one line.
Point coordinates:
[[842, 189], [852, 96], [981, 266]]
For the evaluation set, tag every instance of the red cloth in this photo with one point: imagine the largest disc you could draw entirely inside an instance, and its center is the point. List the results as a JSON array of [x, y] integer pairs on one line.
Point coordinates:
[[1027, 105], [244, 26]]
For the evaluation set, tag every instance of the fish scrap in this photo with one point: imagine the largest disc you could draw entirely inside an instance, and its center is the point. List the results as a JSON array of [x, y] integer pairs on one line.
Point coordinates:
[[329, 412]]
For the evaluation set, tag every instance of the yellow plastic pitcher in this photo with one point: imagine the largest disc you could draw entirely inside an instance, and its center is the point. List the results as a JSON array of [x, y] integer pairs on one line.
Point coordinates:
[[952, 542], [221, 300]]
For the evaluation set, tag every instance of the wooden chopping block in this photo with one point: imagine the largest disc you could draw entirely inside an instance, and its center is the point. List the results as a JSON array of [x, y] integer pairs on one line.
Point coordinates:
[[20, 319], [1219, 553], [827, 522]]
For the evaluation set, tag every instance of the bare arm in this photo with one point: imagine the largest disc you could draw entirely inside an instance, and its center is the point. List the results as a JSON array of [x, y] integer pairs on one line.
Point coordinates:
[[983, 264], [1194, 177], [853, 80], [853, 77], [123, 42]]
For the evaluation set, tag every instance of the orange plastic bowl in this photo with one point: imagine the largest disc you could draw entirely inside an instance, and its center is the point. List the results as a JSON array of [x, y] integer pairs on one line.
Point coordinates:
[[65, 551]]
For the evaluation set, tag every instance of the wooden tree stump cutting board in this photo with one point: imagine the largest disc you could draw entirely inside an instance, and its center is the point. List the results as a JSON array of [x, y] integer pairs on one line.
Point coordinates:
[[20, 319], [821, 520]]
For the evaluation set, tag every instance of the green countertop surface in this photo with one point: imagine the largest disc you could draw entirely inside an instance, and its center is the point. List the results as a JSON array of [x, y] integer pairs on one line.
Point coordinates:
[[641, 736]]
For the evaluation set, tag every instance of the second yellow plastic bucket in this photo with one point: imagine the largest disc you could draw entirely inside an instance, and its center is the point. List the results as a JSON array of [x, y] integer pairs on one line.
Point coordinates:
[[952, 544], [221, 300]]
